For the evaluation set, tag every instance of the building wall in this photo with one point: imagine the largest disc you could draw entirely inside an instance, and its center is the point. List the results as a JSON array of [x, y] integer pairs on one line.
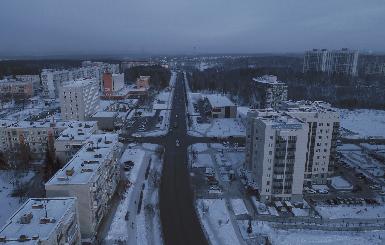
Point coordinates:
[[107, 84], [224, 112], [79, 102]]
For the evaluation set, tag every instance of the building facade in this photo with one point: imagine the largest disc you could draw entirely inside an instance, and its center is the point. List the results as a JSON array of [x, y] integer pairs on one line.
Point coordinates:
[[92, 176], [143, 82], [16, 88], [43, 221], [79, 99], [112, 83], [275, 154], [323, 122], [221, 106], [342, 61], [269, 92]]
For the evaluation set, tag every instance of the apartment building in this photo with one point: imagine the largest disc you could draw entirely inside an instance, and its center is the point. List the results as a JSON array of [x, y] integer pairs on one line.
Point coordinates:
[[221, 106], [92, 176], [143, 82], [43, 221], [112, 83], [276, 154], [34, 79], [342, 61], [16, 88], [79, 99], [269, 92], [323, 122], [35, 135], [72, 139]]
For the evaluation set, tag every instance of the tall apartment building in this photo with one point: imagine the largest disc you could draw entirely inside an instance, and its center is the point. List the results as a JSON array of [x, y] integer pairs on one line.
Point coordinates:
[[269, 92], [79, 99], [92, 176], [43, 221], [323, 122], [72, 139], [13, 87], [112, 83], [342, 61], [276, 154]]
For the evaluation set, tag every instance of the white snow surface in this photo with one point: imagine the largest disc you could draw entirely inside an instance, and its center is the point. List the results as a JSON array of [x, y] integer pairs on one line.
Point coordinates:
[[238, 206], [358, 121]]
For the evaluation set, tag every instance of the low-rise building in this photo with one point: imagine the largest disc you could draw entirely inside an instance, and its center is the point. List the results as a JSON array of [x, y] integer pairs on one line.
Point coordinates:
[[43, 221], [72, 139], [221, 106], [269, 92], [276, 154], [79, 99], [92, 176], [143, 82], [15, 88]]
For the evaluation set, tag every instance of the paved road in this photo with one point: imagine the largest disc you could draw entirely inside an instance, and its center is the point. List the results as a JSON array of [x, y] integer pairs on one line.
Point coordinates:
[[179, 220]]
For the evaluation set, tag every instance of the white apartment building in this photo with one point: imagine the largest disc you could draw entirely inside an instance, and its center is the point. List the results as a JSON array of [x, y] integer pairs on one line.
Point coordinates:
[[34, 79], [34, 134], [72, 139], [269, 92], [276, 154], [92, 176], [117, 81], [342, 61], [79, 99], [323, 122], [43, 221], [52, 79]]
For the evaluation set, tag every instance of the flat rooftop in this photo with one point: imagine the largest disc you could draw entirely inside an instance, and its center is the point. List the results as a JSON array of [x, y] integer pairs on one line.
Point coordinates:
[[33, 211], [308, 106], [268, 79], [78, 131], [86, 162], [79, 83], [33, 124], [218, 100]]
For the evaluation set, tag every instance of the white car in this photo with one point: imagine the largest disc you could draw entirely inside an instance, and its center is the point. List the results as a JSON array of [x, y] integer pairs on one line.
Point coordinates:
[[177, 143], [323, 191]]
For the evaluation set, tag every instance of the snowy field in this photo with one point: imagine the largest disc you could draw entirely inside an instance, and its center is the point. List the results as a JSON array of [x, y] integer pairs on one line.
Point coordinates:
[[358, 121], [238, 206], [345, 211], [202, 160], [8, 203], [312, 237], [215, 219]]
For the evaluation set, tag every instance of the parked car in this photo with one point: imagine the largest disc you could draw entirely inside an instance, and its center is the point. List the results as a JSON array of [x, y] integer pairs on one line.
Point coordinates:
[[177, 143]]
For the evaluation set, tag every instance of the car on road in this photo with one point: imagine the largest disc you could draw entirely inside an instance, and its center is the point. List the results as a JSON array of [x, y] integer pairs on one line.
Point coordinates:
[[175, 125], [136, 135], [177, 143], [323, 191]]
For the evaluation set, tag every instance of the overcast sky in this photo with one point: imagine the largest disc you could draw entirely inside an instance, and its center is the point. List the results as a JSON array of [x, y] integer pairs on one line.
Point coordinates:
[[47, 27]]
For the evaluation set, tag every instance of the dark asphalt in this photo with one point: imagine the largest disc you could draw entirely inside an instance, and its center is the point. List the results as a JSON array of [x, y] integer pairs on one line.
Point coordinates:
[[180, 223]]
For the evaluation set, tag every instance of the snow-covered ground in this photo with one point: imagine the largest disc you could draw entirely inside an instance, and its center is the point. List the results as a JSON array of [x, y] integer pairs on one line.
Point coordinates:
[[8, 182], [129, 226], [238, 206], [305, 237], [339, 183], [358, 121], [215, 219], [345, 211]]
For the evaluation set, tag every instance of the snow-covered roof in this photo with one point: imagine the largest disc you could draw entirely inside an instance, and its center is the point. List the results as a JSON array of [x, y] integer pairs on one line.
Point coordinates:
[[218, 100], [268, 79], [106, 114], [33, 211], [78, 131], [79, 83], [86, 162]]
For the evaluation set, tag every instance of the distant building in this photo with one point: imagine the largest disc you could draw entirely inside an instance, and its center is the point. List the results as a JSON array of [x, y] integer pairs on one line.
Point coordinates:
[[221, 106], [112, 83], [16, 88], [79, 99], [34, 79], [130, 64], [323, 122], [276, 154], [72, 139], [269, 92], [91, 176], [342, 61], [52, 80], [375, 68], [43, 221], [143, 82]]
